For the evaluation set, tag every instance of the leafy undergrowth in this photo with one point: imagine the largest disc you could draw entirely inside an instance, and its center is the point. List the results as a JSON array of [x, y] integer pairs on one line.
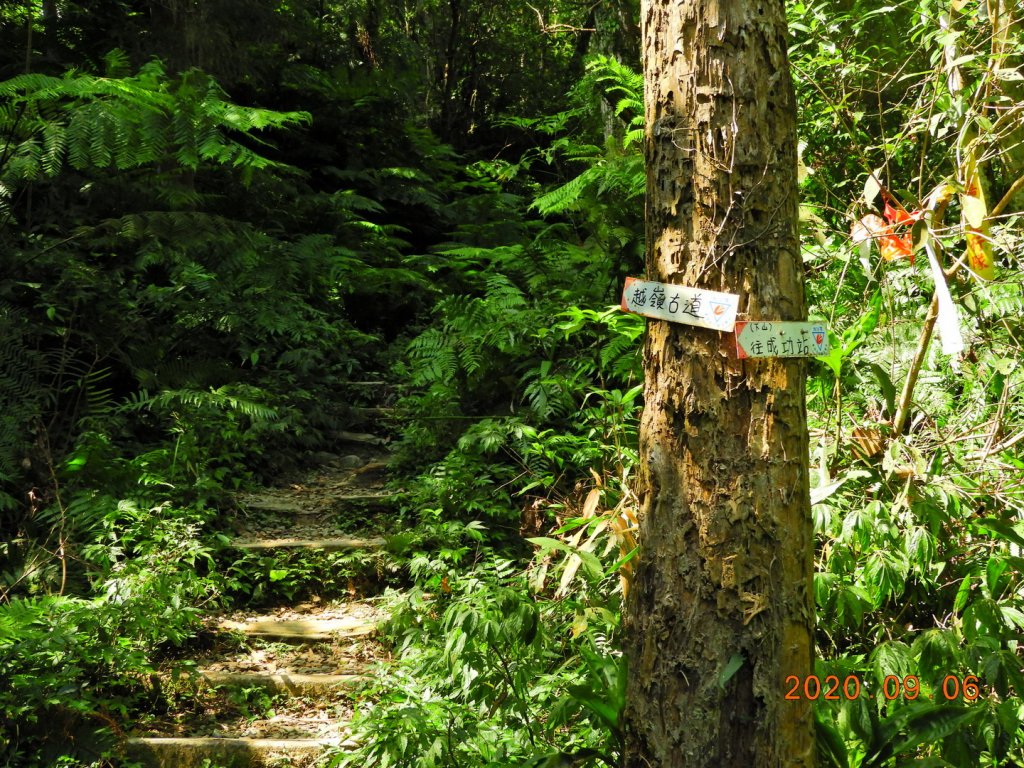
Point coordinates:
[[75, 667], [489, 673]]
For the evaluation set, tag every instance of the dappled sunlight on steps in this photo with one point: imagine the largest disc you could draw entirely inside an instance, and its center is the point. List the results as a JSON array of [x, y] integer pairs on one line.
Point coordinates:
[[307, 691], [227, 752]]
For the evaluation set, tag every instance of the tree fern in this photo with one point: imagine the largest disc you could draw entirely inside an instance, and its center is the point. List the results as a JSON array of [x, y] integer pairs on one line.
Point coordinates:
[[567, 196], [84, 513], [434, 358], [618, 78], [91, 122], [471, 330], [616, 171], [502, 295], [220, 398], [18, 615]]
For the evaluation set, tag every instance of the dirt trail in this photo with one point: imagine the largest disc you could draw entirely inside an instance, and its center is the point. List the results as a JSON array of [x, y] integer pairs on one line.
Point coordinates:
[[277, 685]]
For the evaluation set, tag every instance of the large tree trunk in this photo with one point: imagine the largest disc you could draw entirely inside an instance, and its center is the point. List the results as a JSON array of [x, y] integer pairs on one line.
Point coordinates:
[[726, 556]]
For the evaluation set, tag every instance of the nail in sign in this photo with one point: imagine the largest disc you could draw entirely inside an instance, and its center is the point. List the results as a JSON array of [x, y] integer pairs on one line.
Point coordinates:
[[679, 304], [780, 339]]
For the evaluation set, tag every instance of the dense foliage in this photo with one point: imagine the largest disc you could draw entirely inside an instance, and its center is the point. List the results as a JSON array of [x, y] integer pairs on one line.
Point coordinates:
[[215, 217]]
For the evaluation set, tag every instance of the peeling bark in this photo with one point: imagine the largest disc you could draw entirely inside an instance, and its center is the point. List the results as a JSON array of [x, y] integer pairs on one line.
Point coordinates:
[[726, 536]]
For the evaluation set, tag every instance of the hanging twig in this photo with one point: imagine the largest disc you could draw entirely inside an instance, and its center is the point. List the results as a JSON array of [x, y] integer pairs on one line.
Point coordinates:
[[550, 29]]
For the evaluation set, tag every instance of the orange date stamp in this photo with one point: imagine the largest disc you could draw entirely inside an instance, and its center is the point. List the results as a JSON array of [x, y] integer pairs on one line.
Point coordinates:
[[831, 688]]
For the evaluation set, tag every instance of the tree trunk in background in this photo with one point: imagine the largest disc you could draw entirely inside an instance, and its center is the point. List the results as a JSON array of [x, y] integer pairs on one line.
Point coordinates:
[[610, 29], [726, 556], [449, 74]]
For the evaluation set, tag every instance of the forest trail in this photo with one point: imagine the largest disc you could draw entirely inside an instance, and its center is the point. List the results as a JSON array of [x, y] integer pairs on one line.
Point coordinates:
[[277, 684]]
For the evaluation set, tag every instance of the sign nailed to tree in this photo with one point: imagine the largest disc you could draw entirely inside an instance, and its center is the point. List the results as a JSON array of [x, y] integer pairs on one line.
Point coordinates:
[[679, 304], [780, 339]]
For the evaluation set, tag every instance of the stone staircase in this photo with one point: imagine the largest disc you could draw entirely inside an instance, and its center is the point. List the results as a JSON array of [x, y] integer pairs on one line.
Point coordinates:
[[303, 663]]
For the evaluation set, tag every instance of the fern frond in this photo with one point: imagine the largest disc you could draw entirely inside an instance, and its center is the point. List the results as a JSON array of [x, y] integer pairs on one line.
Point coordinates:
[[629, 103], [124, 122], [221, 398], [565, 197], [634, 136], [54, 147]]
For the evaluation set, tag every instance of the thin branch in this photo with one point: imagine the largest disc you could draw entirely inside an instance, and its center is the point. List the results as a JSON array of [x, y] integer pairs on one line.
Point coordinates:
[[550, 29], [1006, 444], [1016, 187]]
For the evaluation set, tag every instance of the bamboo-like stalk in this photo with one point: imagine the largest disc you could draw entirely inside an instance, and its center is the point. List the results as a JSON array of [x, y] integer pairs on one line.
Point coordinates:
[[907, 395]]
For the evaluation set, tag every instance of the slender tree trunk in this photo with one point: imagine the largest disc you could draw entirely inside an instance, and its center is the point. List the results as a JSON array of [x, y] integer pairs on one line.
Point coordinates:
[[610, 29], [1006, 31], [450, 72], [725, 567]]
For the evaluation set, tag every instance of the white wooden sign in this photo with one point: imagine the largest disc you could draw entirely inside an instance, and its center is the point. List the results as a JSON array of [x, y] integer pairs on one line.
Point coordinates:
[[780, 339], [679, 304]]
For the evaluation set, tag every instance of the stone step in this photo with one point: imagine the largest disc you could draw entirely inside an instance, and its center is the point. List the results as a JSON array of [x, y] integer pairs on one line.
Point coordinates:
[[301, 630], [184, 752], [369, 499], [294, 684], [289, 506], [359, 438], [375, 410], [339, 544]]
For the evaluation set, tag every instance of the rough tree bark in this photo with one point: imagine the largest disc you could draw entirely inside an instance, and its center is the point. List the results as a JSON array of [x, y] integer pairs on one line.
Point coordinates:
[[726, 556]]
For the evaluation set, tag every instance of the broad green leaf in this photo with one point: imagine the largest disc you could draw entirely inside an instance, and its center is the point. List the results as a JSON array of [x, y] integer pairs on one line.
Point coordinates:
[[831, 748], [886, 385], [993, 570], [589, 699], [824, 587], [930, 723], [892, 658], [834, 358], [730, 669], [937, 651], [1001, 529], [859, 332], [962, 594]]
